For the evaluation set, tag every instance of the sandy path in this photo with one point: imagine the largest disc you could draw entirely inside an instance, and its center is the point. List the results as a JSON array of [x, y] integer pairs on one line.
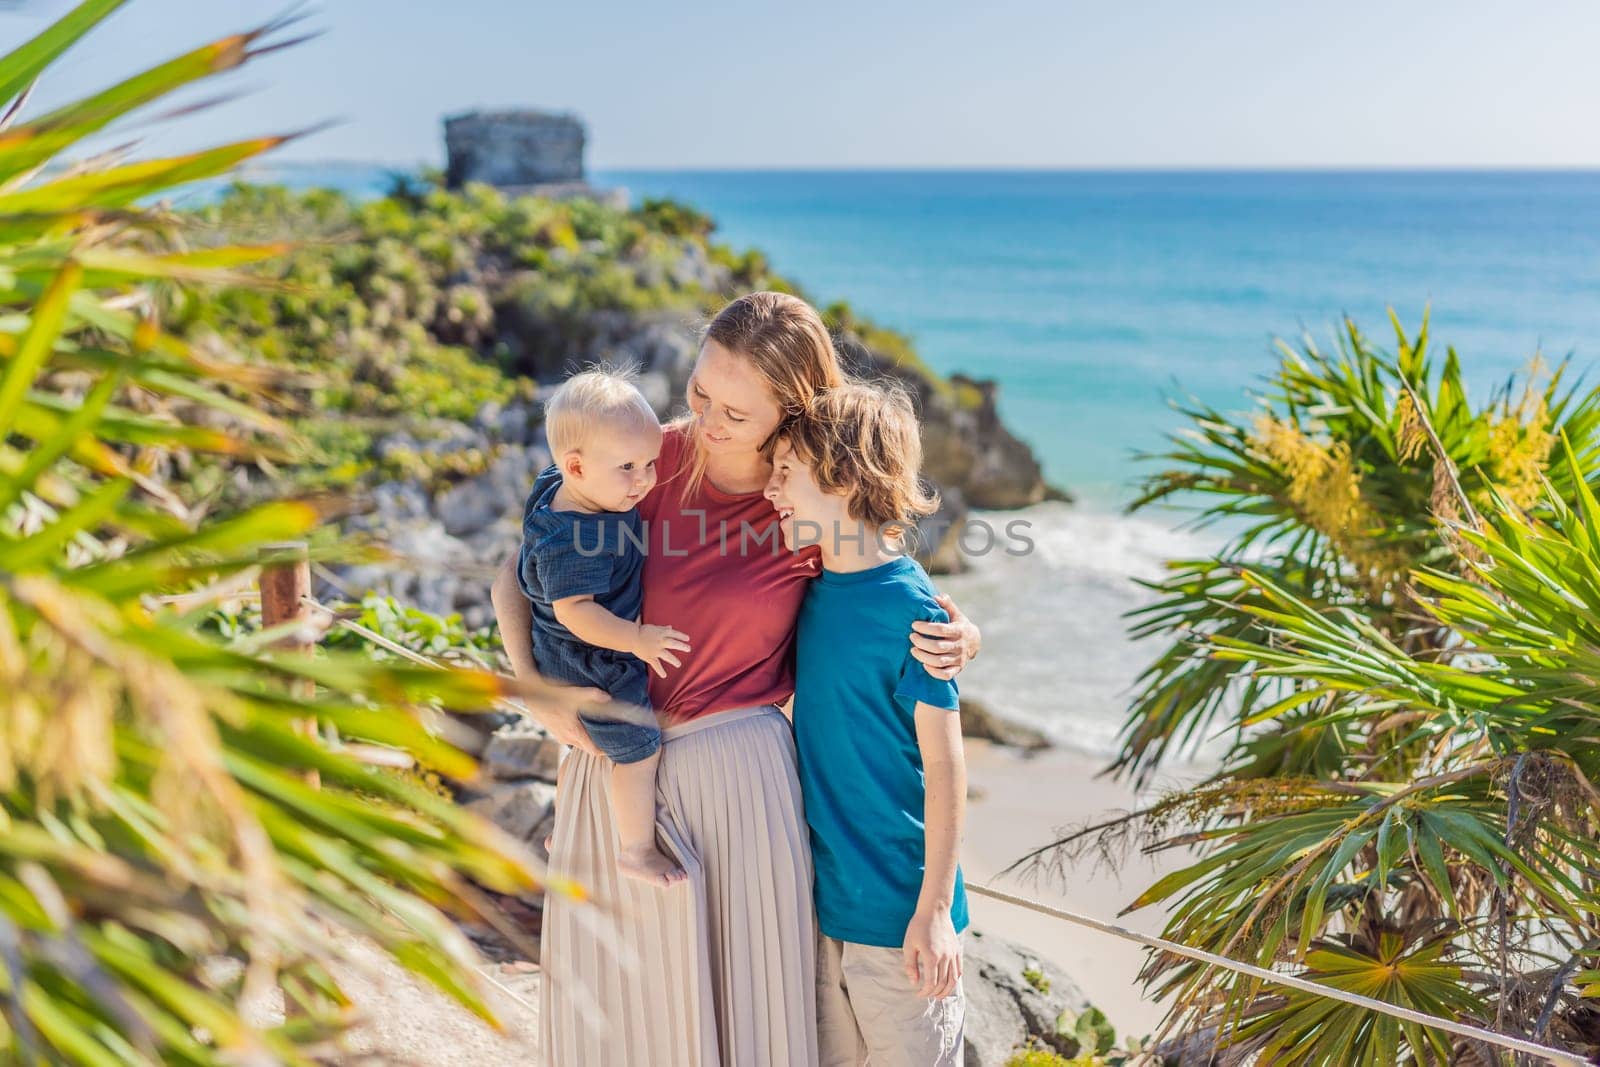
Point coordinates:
[[1023, 799], [406, 1021]]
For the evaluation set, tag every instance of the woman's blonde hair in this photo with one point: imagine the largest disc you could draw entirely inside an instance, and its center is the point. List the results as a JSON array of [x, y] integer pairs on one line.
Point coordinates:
[[785, 340], [862, 439], [597, 400]]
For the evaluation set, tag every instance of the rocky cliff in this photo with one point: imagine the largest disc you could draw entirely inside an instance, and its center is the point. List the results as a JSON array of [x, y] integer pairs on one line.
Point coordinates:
[[443, 318]]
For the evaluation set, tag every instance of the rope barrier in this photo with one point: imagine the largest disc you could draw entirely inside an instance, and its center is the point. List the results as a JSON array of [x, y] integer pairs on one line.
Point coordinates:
[[1476, 1033]]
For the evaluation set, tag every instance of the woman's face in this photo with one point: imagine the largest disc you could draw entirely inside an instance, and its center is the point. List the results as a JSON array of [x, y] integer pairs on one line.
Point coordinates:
[[734, 409]]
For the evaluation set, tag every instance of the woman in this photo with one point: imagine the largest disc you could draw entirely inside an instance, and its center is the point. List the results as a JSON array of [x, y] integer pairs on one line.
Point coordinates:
[[719, 970]]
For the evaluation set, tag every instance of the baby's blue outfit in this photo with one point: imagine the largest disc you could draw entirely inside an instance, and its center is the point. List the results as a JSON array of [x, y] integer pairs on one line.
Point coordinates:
[[574, 553]]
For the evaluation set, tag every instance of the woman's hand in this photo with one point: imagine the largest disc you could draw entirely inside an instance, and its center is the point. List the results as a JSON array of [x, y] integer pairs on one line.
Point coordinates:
[[560, 717], [943, 648]]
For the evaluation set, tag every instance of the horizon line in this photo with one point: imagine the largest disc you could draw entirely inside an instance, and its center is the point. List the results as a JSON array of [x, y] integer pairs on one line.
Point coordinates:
[[1000, 168]]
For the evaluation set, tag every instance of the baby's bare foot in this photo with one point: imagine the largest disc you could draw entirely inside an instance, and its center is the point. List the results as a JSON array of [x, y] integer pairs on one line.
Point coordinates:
[[646, 864]]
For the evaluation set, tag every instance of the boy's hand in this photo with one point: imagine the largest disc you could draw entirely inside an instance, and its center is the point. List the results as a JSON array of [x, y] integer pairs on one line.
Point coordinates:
[[932, 953], [656, 645]]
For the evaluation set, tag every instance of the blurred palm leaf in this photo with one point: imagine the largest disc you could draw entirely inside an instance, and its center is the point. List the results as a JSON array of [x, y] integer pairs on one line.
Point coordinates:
[[155, 818]]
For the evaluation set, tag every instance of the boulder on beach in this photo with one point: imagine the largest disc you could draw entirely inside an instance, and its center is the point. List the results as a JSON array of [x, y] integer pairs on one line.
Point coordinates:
[[1016, 999], [978, 721]]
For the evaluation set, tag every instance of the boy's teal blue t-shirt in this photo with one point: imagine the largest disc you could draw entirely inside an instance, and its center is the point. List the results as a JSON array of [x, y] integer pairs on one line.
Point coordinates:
[[856, 691]]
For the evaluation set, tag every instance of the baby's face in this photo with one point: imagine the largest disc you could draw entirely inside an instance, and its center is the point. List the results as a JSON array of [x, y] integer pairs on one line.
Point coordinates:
[[619, 467]]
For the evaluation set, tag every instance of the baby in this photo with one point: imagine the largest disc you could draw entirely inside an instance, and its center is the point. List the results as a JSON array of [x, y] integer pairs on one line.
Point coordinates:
[[580, 564]]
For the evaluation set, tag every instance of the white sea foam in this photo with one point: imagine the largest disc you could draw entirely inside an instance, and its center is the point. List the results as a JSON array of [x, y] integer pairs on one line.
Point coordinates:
[[1056, 651]]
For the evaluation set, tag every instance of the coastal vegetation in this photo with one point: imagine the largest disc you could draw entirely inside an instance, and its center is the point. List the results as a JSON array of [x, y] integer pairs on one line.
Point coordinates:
[[401, 313], [1396, 645], [181, 391], [1396, 648], [179, 856]]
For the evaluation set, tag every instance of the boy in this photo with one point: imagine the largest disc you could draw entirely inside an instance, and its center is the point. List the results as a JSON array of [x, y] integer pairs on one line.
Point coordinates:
[[580, 564], [879, 739]]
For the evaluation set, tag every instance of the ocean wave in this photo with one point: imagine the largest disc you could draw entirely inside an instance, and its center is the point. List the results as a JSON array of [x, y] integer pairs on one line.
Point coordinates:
[[1056, 651]]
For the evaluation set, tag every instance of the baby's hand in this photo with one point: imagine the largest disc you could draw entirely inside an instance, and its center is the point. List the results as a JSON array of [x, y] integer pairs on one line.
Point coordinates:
[[656, 645]]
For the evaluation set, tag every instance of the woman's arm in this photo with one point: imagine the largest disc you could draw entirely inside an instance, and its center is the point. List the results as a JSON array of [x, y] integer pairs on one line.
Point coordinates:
[[932, 950], [944, 648], [515, 615]]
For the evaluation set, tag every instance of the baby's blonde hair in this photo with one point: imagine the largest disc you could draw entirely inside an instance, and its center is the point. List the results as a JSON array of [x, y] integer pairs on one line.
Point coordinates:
[[862, 439], [598, 399]]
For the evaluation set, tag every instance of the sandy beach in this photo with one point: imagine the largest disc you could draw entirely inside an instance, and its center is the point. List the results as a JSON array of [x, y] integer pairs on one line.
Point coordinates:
[[1019, 801]]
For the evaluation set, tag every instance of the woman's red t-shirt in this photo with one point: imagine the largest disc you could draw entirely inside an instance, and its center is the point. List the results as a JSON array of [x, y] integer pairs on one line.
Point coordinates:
[[717, 569]]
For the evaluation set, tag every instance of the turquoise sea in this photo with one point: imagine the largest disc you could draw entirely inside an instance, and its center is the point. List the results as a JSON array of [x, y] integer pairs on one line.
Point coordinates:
[[1092, 296]]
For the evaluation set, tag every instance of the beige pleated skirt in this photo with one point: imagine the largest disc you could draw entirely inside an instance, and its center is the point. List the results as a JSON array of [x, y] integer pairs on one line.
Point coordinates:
[[718, 971]]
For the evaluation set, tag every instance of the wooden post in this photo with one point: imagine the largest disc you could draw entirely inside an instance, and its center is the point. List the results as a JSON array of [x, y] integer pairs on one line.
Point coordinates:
[[285, 586]]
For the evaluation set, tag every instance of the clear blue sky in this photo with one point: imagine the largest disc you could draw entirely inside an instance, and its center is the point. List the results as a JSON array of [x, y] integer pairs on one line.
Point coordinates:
[[1022, 83]]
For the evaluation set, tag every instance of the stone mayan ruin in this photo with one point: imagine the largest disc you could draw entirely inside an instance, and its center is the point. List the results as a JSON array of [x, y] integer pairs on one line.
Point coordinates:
[[525, 152]]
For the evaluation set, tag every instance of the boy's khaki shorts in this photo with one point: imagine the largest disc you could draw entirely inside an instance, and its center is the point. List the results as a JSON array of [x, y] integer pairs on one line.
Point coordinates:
[[868, 1012]]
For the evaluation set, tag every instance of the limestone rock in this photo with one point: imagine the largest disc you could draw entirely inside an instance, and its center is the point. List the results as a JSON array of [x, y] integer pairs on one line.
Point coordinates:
[[1197, 1049], [937, 544], [979, 722], [519, 753], [1013, 996], [546, 827], [518, 808], [401, 500], [472, 731], [964, 443]]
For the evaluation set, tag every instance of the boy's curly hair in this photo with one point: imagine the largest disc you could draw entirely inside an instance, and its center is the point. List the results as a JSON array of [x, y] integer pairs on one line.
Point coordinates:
[[862, 438]]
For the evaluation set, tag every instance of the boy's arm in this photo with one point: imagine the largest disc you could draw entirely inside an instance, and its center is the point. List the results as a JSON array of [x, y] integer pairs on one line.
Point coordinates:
[[944, 767], [932, 951]]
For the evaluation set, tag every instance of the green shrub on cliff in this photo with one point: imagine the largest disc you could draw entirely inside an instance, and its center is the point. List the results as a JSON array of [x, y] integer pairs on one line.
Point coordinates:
[[428, 303]]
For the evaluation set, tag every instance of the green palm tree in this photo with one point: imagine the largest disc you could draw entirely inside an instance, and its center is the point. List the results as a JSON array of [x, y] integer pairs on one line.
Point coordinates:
[[156, 818], [1397, 643], [1471, 887], [1336, 488]]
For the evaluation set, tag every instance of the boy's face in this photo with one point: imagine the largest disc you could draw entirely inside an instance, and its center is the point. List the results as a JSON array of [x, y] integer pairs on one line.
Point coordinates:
[[616, 469], [806, 513]]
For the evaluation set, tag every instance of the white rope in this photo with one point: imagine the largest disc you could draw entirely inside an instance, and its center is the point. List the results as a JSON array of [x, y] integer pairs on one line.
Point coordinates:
[[1515, 1044], [373, 636], [401, 650], [506, 990]]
